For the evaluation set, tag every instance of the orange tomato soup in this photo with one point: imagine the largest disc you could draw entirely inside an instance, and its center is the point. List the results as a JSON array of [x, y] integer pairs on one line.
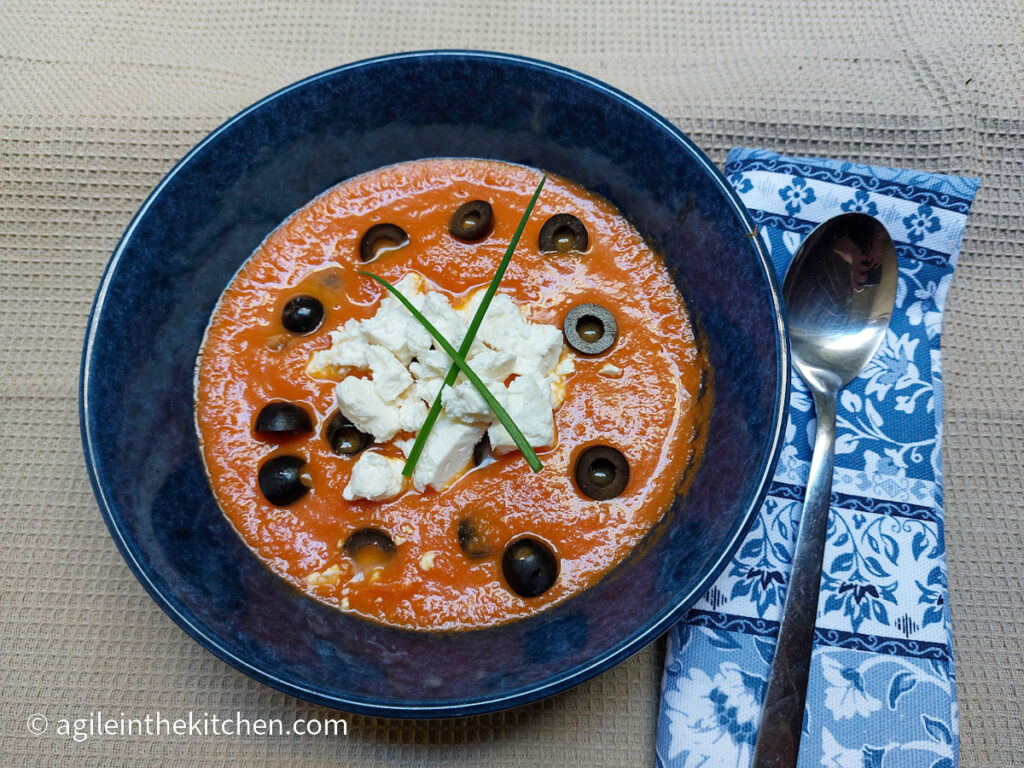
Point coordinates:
[[653, 412]]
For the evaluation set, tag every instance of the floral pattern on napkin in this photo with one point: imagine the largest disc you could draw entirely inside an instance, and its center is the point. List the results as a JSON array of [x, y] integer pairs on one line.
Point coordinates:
[[881, 692]]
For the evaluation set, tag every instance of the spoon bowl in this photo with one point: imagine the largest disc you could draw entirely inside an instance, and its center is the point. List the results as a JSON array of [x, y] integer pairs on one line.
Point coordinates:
[[839, 293]]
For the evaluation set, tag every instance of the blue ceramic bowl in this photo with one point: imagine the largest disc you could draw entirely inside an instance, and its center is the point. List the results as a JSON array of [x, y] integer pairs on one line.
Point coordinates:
[[216, 206]]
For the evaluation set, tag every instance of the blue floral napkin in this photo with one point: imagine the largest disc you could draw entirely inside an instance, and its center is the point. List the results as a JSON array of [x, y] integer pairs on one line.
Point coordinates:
[[881, 691]]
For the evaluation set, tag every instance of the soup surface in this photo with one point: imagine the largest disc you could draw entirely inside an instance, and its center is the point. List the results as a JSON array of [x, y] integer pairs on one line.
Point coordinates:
[[645, 396]]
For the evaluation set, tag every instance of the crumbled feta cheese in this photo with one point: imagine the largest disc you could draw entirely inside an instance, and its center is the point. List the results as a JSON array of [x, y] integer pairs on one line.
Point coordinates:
[[398, 333], [348, 350], [566, 365], [447, 452], [503, 327], [390, 377], [493, 365], [610, 371], [326, 578], [557, 378], [393, 326], [407, 370], [427, 389], [463, 403], [431, 364], [536, 347], [412, 412], [361, 404], [374, 477], [412, 286], [439, 312], [427, 561], [529, 405], [544, 347]]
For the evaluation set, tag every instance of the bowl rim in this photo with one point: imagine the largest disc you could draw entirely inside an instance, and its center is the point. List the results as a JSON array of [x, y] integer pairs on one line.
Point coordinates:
[[569, 678]]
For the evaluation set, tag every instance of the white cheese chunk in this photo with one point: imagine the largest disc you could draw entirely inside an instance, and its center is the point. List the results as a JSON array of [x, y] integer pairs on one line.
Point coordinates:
[[412, 412], [398, 332], [412, 286], [438, 310], [544, 347], [427, 389], [536, 347], [348, 350], [529, 405], [503, 327], [430, 364], [492, 364], [557, 378], [447, 452], [393, 326], [361, 404], [610, 371], [463, 403], [374, 477], [390, 377], [407, 369]]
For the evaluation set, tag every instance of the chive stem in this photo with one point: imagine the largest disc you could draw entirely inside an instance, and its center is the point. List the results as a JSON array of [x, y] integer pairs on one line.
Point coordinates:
[[467, 341], [461, 364]]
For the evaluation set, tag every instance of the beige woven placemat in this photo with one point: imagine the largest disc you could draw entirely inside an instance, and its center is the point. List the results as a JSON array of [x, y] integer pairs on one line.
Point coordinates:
[[98, 99]]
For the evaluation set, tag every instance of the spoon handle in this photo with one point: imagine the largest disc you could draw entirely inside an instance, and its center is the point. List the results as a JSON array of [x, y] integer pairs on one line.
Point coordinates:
[[778, 739]]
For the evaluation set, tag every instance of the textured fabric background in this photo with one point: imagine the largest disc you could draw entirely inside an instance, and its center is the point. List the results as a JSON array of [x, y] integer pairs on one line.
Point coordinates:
[[99, 99]]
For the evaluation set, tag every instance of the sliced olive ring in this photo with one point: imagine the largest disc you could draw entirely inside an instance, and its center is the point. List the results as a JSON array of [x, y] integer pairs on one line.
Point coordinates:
[[529, 567], [563, 232], [343, 436], [280, 480], [602, 472], [472, 539], [368, 537], [472, 221], [590, 329], [302, 314], [282, 418], [380, 238]]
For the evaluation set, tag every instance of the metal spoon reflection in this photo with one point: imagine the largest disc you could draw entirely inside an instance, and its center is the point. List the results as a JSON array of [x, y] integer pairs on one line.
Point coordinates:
[[839, 293]]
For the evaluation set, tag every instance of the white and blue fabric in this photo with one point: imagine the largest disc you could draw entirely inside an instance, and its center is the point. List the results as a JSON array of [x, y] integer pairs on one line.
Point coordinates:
[[881, 692]]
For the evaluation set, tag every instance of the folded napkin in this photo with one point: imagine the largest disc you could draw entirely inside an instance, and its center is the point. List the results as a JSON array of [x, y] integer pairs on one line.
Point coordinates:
[[881, 692]]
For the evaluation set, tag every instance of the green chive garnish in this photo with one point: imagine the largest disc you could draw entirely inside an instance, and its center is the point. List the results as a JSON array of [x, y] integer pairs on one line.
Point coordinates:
[[461, 364], [467, 342]]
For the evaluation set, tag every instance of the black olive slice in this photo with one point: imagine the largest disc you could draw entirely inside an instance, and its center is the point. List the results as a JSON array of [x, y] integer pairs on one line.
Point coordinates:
[[283, 418], [343, 436], [563, 232], [280, 480], [529, 566], [482, 451], [472, 221], [380, 238], [472, 539], [590, 329], [369, 547], [302, 314], [602, 472]]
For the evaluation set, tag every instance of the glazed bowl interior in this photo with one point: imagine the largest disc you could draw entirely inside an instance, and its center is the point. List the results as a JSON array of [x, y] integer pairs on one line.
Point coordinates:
[[214, 209]]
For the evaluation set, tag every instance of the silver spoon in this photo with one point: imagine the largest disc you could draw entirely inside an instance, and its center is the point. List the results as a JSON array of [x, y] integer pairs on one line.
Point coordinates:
[[839, 293]]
